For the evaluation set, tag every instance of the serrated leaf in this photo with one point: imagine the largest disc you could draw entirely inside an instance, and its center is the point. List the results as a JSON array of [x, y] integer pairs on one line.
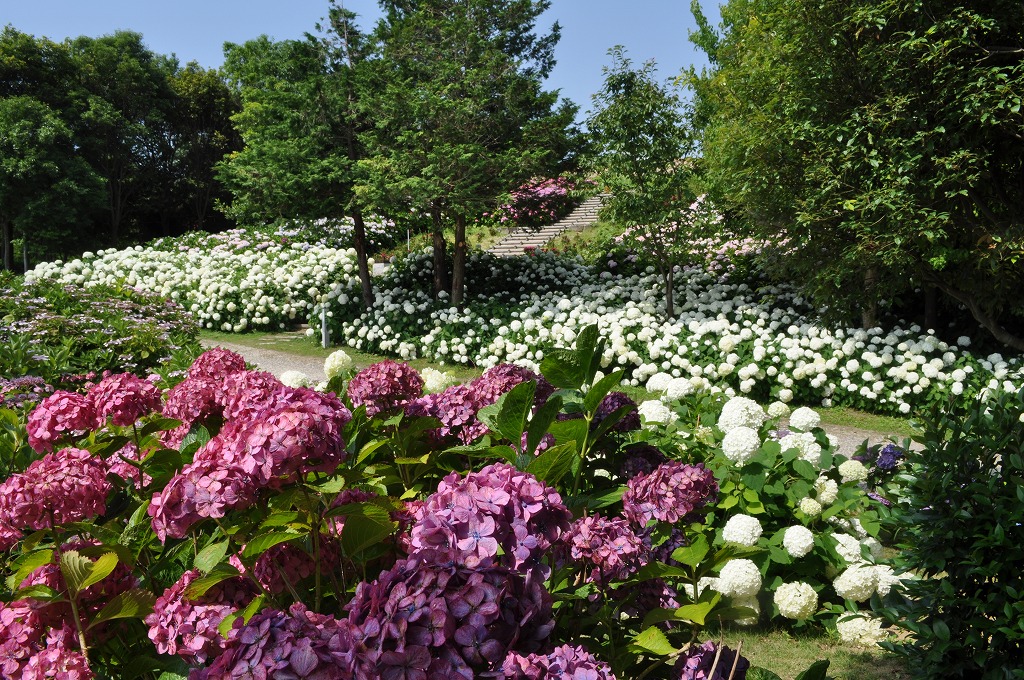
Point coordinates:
[[805, 470], [264, 542], [38, 592], [196, 438], [541, 421], [654, 641], [80, 572], [574, 430], [692, 554], [514, 410], [596, 394], [554, 463], [210, 556], [368, 449], [561, 368], [198, 588], [131, 604], [368, 528], [26, 564]]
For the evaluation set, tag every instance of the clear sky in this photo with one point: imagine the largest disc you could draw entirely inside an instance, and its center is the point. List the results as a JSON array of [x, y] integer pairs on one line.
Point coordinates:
[[197, 29]]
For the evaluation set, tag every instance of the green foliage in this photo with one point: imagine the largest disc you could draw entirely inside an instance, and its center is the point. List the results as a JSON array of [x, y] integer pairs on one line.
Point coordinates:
[[961, 518]]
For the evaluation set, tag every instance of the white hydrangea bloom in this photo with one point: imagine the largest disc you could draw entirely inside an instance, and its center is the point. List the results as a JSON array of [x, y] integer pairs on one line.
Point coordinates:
[[886, 579], [658, 382], [804, 419], [810, 507], [337, 363], [750, 603], [804, 442], [853, 471], [873, 546], [739, 578], [653, 412], [295, 379], [798, 540], [860, 629], [826, 490], [848, 548], [778, 409], [678, 388], [740, 444], [435, 381], [796, 600], [857, 583], [742, 529], [741, 412]]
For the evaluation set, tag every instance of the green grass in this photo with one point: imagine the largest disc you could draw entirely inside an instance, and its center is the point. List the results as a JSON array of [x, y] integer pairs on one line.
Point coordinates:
[[848, 417], [589, 242], [788, 654]]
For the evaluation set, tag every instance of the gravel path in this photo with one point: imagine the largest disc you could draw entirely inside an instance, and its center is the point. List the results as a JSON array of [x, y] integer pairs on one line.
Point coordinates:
[[277, 362]]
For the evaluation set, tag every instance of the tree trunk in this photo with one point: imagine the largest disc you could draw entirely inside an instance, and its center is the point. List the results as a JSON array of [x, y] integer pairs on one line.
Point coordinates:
[[24, 253], [668, 276], [440, 248], [8, 254], [931, 307], [983, 316], [869, 308], [459, 261], [364, 267]]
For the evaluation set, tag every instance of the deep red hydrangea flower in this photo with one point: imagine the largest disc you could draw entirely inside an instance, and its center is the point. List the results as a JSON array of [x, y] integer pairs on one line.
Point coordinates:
[[298, 643], [466, 619], [67, 485], [669, 493], [611, 546], [472, 516], [124, 398], [61, 413], [613, 402], [570, 663], [697, 662], [216, 363], [246, 393], [188, 628], [385, 386]]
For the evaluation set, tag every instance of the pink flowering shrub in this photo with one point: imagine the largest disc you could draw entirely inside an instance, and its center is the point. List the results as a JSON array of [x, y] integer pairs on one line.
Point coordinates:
[[58, 415], [537, 203], [563, 662], [216, 364], [611, 546], [385, 386], [124, 398], [669, 493]]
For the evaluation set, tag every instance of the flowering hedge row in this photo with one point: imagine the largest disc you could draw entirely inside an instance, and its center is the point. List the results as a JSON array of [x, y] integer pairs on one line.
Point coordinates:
[[233, 281], [758, 341], [248, 528]]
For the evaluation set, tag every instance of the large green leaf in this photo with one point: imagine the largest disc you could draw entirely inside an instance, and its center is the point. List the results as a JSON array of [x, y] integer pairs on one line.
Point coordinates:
[[600, 390], [210, 556], [508, 416], [26, 564], [695, 552], [653, 640], [221, 572], [264, 542], [816, 671], [366, 525], [80, 572], [561, 368], [554, 463], [541, 421], [131, 604]]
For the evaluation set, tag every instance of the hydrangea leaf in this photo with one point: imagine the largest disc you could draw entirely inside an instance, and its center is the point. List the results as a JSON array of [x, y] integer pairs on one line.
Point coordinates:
[[561, 368], [264, 542], [541, 422], [26, 564], [80, 572], [210, 556], [654, 641], [600, 390], [366, 524], [816, 671], [131, 604], [692, 554], [221, 572], [554, 463]]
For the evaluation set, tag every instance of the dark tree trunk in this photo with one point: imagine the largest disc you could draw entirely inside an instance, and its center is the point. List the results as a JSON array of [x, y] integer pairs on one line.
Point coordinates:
[[8, 254], [364, 268], [440, 250], [459, 261], [931, 307], [869, 309], [981, 314], [668, 278]]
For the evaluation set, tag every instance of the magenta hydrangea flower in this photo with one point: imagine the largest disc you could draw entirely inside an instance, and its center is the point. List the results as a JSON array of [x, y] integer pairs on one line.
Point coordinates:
[[58, 659], [216, 363], [640, 459], [385, 386], [67, 485], [195, 399], [288, 565], [466, 619], [472, 516], [298, 643], [118, 465], [611, 546], [21, 635], [246, 393], [203, 489], [565, 662], [60, 414], [456, 408], [669, 493], [697, 662], [502, 378], [124, 398], [188, 628]]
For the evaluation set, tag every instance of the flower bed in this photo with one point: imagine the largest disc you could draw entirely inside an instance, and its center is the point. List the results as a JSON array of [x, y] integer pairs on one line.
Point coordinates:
[[283, 532], [731, 336]]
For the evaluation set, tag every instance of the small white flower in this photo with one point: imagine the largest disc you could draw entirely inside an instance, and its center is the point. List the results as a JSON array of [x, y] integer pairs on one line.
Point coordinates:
[[804, 419], [827, 490], [778, 409], [798, 540], [853, 471], [796, 600], [742, 529]]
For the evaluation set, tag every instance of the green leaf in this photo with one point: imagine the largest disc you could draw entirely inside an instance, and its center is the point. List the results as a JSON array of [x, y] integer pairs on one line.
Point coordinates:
[[198, 588], [541, 421], [39, 592], [368, 449], [692, 554], [600, 390], [654, 641], [368, 525], [554, 463], [509, 414], [264, 542], [196, 438], [210, 556], [562, 368], [80, 572], [816, 671], [131, 604], [566, 431], [26, 564], [758, 673], [805, 469]]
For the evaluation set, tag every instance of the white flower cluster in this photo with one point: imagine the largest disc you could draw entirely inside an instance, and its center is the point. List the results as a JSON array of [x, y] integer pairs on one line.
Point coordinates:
[[860, 629], [861, 580], [337, 363], [654, 412], [797, 600], [742, 529], [826, 490], [296, 379], [778, 409], [435, 381], [740, 444], [741, 412], [739, 578], [798, 540], [804, 419], [853, 471], [805, 443]]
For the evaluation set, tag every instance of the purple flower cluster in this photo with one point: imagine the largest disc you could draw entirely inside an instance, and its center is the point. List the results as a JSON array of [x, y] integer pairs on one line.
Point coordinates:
[[612, 546], [385, 386], [471, 517], [434, 617], [564, 663], [124, 398], [699, 660], [23, 391], [640, 459], [57, 659], [613, 402], [669, 493], [64, 486], [188, 628], [60, 414], [288, 645]]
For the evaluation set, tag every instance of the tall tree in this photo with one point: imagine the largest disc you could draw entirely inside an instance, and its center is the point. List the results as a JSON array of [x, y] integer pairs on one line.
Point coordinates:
[[642, 151], [460, 116], [879, 141]]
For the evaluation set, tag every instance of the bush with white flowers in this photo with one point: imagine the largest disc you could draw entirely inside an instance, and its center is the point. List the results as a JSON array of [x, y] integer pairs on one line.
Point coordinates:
[[797, 600]]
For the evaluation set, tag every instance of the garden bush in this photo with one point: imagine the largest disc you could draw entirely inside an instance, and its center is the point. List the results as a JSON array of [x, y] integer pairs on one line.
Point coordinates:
[[536, 204], [961, 518]]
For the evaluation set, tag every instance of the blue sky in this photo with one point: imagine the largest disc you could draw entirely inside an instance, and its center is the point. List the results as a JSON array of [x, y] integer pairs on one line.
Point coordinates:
[[197, 29]]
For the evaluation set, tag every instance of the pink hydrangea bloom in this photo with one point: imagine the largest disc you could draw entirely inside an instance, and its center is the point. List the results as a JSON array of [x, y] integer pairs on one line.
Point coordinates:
[[124, 398], [216, 363], [611, 546], [385, 386], [565, 662], [669, 493], [195, 399], [67, 485], [61, 413], [58, 659], [246, 393], [288, 564], [119, 465]]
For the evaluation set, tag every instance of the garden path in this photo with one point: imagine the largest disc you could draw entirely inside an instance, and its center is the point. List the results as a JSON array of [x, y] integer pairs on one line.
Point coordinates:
[[521, 240], [278, 361]]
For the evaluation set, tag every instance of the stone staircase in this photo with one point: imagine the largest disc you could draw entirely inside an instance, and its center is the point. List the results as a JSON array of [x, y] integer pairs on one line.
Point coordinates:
[[524, 240]]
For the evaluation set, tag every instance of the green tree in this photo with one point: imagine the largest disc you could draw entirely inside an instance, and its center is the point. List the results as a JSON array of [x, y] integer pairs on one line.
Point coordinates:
[[878, 142], [459, 115], [641, 152]]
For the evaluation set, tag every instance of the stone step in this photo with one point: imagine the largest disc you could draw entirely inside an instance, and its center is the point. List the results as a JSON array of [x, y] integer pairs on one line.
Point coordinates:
[[516, 242]]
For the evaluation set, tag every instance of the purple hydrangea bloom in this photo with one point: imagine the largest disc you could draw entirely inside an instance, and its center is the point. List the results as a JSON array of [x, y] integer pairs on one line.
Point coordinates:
[[669, 493], [640, 459], [697, 662], [889, 457], [611, 546], [565, 662], [611, 403]]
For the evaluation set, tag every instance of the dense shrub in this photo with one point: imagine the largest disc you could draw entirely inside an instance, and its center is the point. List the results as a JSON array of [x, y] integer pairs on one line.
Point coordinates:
[[962, 518]]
